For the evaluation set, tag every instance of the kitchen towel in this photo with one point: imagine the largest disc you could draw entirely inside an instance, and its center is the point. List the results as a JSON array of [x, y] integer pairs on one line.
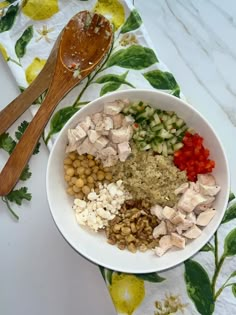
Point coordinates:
[[204, 284]]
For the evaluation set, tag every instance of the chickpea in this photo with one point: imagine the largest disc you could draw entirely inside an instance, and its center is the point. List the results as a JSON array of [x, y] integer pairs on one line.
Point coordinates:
[[86, 190], [90, 157], [76, 163], [108, 176], [106, 169], [76, 189], [80, 195], [94, 176], [90, 179], [70, 191], [80, 170], [72, 156], [91, 185], [67, 161], [83, 176], [81, 157], [66, 167], [79, 183], [88, 171], [67, 178], [96, 190], [100, 175], [70, 171], [70, 183], [91, 163], [73, 179], [84, 163], [95, 169]]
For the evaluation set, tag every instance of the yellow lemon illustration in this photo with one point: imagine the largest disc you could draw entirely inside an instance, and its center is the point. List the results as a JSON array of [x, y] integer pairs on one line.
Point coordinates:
[[127, 292], [40, 9], [4, 4], [112, 10], [4, 52], [33, 69]]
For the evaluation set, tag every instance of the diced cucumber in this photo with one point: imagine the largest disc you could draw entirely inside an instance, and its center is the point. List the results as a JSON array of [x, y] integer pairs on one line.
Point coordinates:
[[156, 118], [181, 130], [173, 140], [169, 127], [158, 127], [179, 122], [170, 151], [164, 134], [147, 147], [164, 149], [177, 146]]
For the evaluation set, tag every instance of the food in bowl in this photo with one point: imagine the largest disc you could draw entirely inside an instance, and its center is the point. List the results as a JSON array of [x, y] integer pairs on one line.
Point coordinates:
[[141, 175]]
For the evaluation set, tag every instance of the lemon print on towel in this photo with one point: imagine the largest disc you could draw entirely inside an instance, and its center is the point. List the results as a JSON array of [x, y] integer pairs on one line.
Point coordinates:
[[33, 69], [4, 52], [112, 10], [127, 292], [40, 9]]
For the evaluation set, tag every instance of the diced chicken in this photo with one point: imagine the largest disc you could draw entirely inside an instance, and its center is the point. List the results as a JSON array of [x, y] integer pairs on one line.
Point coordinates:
[[209, 190], [178, 218], [194, 186], [190, 200], [100, 126], [206, 179], [128, 121], [118, 121], [124, 151], [108, 123], [110, 160], [120, 135], [86, 147], [177, 240], [191, 217], [157, 211], [170, 227], [168, 212], [104, 153], [160, 251], [205, 217], [165, 242], [193, 232], [96, 118], [93, 135], [101, 143], [205, 205], [75, 135], [184, 226], [113, 108], [86, 124], [181, 189], [159, 230]]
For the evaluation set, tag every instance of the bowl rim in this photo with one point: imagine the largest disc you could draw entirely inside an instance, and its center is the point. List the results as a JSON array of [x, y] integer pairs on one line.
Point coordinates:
[[178, 261]]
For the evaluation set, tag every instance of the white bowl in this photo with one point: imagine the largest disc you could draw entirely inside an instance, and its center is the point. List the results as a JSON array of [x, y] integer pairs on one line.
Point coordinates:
[[93, 245]]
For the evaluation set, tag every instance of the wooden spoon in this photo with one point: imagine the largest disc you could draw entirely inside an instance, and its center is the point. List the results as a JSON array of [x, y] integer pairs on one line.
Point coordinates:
[[22, 102], [84, 42]]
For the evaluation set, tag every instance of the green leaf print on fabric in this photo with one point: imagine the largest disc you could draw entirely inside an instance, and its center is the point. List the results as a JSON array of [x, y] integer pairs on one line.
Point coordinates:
[[231, 196], [163, 81], [150, 277], [134, 57], [7, 21], [230, 244], [199, 287], [234, 289], [207, 248], [59, 119], [132, 23], [22, 42], [113, 82], [230, 214]]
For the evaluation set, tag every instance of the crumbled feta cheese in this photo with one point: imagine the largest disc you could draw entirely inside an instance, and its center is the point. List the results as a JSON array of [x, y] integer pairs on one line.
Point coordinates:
[[100, 207]]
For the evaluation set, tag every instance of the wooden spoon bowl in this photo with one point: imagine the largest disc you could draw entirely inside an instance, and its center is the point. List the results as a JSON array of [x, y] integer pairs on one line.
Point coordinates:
[[84, 42]]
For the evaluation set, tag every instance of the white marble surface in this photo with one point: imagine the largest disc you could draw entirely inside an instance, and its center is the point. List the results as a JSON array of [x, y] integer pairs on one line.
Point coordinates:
[[40, 273]]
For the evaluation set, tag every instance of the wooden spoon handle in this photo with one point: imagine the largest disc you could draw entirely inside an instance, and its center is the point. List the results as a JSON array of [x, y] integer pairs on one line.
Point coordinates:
[[20, 104], [24, 149]]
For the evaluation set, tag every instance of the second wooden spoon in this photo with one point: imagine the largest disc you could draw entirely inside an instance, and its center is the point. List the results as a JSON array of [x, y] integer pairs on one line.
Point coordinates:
[[84, 42]]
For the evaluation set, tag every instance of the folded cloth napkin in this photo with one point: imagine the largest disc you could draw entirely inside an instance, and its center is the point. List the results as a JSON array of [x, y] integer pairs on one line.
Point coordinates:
[[204, 284]]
